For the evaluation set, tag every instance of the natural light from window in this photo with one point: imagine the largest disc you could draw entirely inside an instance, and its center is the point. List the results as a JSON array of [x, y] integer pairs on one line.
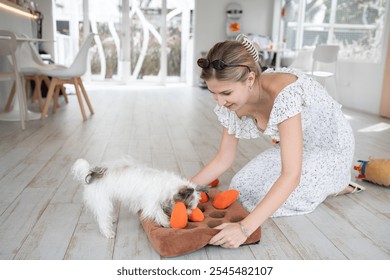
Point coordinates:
[[379, 127]]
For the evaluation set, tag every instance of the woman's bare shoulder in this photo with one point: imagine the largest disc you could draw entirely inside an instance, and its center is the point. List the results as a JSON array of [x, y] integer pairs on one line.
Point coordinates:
[[274, 83]]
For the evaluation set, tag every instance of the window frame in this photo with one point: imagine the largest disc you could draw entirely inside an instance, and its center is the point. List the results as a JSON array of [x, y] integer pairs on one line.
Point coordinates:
[[331, 27]]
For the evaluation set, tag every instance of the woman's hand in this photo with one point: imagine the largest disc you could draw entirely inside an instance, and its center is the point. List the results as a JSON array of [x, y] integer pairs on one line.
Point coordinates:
[[230, 236]]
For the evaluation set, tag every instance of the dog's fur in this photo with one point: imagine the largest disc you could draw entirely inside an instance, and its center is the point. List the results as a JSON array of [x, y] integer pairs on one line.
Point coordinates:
[[147, 191]]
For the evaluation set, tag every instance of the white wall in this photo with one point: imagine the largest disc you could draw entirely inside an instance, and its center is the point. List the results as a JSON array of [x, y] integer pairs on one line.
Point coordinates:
[[359, 84], [210, 23]]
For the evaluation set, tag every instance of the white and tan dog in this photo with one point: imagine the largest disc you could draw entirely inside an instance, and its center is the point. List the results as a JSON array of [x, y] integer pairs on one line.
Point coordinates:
[[147, 191]]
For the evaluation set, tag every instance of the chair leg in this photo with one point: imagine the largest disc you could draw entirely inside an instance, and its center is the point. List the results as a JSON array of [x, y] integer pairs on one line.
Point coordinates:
[[10, 97], [49, 96], [47, 82], [85, 95], [63, 91], [27, 79], [37, 92], [55, 98], [76, 85]]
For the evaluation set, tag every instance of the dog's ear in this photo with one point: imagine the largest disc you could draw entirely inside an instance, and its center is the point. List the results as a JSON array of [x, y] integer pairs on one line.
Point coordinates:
[[202, 189], [183, 194]]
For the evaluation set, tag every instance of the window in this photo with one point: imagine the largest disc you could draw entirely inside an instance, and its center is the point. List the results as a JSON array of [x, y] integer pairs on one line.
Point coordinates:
[[356, 25], [145, 28]]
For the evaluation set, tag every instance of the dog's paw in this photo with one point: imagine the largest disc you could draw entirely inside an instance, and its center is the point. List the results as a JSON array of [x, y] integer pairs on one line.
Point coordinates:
[[164, 222], [108, 233], [166, 225]]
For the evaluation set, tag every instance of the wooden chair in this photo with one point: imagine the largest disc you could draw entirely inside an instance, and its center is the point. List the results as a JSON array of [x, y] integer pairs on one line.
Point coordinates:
[[31, 67], [71, 75]]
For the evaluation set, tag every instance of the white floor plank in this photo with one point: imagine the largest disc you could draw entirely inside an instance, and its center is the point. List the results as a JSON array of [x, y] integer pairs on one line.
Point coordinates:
[[274, 245], [307, 239], [351, 242], [18, 221], [44, 242]]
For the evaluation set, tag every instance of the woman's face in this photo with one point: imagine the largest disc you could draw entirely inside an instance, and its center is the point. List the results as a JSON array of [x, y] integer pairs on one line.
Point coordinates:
[[232, 95]]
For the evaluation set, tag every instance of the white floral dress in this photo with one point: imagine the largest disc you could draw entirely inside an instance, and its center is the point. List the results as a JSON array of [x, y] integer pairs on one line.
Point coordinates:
[[328, 147]]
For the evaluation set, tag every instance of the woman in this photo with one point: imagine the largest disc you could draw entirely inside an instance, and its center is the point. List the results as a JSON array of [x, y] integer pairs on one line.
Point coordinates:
[[314, 144]]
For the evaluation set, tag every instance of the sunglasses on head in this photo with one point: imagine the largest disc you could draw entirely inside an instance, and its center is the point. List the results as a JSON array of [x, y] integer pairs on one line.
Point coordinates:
[[217, 64]]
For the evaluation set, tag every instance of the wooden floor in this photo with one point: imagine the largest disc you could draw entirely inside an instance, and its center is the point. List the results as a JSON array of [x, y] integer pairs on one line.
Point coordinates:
[[174, 128]]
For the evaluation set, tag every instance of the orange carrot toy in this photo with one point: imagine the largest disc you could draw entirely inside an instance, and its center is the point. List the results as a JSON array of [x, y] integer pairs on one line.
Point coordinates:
[[214, 183], [179, 216], [225, 199], [204, 197], [196, 215]]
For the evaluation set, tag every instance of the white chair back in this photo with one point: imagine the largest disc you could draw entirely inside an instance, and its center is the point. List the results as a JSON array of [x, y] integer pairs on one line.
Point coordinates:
[[8, 43], [325, 65], [27, 59], [79, 65], [32, 52], [303, 60], [326, 53]]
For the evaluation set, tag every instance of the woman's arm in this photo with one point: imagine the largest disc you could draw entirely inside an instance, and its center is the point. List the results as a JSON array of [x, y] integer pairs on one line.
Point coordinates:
[[221, 162], [290, 132]]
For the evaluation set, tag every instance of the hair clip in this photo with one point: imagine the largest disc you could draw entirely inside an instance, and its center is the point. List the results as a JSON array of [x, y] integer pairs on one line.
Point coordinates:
[[248, 46]]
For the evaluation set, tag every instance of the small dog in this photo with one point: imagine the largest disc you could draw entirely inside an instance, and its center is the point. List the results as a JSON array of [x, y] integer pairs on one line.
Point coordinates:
[[147, 191]]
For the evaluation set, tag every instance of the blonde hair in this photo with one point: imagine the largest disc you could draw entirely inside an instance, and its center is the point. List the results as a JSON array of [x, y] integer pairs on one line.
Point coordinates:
[[231, 52]]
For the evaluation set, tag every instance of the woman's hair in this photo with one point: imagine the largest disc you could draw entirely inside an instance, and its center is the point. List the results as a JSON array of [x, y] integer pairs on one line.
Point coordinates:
[[233, 53]]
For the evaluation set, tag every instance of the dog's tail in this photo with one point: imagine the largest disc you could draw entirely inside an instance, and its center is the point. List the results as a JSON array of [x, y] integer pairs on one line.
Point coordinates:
[[81, 170]]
